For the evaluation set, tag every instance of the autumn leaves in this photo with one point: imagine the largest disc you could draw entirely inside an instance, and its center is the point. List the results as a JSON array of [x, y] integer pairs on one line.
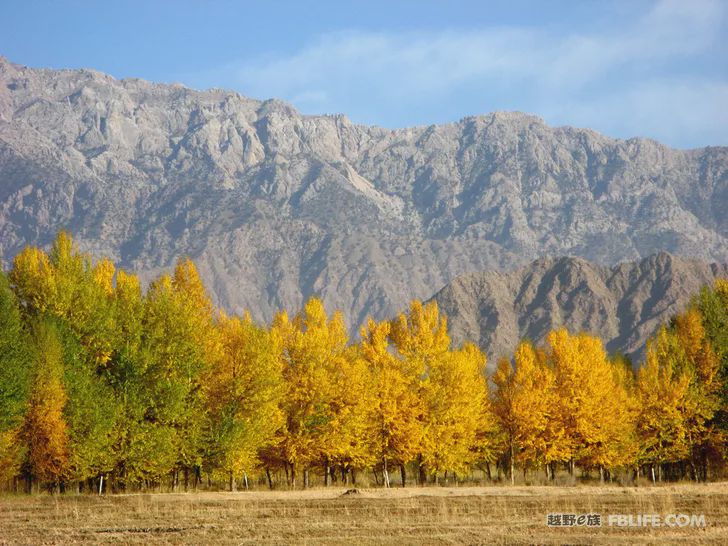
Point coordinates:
[[100, 379]]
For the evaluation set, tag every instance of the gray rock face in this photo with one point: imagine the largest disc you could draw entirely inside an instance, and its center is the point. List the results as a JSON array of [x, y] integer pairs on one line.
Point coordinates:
[[275, 206], [624, 305]]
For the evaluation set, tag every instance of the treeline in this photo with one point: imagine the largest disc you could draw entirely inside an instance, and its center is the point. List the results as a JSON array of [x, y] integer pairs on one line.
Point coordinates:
[[104, 386]]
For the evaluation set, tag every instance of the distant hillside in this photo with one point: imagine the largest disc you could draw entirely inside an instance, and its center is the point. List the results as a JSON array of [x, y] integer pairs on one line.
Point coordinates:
[[623, 305]]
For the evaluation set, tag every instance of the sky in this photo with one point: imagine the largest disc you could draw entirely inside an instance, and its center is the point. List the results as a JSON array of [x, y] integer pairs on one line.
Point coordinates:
[[646, 68]]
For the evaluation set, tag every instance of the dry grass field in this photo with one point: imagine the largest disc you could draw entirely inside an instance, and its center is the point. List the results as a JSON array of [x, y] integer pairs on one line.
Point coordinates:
[[458, 515]]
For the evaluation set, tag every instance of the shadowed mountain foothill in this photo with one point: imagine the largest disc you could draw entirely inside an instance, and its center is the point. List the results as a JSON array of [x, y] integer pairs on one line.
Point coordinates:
[[623, 305]]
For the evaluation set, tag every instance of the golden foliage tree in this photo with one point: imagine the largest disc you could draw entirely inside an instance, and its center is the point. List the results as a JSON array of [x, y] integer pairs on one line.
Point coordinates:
[[242, 395], [314, 345], [455, 395], [45, 432], [662, 387], [526, 405], [591, 403], [397, 407]]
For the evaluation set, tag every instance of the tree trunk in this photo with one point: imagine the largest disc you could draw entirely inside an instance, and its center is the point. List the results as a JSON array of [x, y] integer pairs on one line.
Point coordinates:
[[231, 480], [487, 471], [270, 480], [327, 473], [187, 477], [101, 484], [403, 474], [245, 480], [652, 469], [353, 475], [693, 470], [305, 478], [601, 474], [385, 472], [513, 464], [421, 472]]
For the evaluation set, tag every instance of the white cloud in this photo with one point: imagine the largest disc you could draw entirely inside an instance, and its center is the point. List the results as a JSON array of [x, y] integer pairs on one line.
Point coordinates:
[[689, 114], [589, 79]]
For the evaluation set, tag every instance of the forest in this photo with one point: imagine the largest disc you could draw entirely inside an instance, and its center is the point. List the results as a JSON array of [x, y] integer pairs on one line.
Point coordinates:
[[106, 386]]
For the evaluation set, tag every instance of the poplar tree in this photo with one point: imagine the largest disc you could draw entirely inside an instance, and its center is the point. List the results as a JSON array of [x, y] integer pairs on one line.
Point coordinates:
[[662, 387], [91, 412], [421, 340], [703, 400], [591, 403], [15, 363], [313, 346], [525, 403], [177, 347], [45, 431], [455, 395], [397, 407], [242, 390]]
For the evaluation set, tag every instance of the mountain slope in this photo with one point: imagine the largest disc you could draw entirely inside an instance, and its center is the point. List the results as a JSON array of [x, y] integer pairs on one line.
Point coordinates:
[[623, 305], [275, 206]]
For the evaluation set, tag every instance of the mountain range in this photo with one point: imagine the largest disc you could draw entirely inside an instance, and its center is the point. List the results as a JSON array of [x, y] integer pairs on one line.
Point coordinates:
[[275, 206]]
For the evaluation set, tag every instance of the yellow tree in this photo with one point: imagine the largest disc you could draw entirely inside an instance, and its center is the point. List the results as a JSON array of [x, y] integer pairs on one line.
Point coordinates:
[[526, 405], [703, 399], [591, 406], [421, 340], [64, 283], [313, 347], [32, 279], [662, 388], [348, 439], [624, 449], [455, 395], [397, 407], [242, 390], [45, 432]]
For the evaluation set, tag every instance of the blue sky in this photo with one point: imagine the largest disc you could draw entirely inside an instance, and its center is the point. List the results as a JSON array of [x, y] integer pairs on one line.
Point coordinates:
[[656, 69]]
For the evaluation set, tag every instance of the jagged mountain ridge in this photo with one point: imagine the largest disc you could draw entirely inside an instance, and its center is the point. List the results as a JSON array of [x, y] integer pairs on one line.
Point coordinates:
[[623, 305], [275, 206]]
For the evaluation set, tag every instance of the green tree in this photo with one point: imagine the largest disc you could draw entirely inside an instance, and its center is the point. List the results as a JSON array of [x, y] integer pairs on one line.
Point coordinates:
[[91, 412], [15, 363]]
